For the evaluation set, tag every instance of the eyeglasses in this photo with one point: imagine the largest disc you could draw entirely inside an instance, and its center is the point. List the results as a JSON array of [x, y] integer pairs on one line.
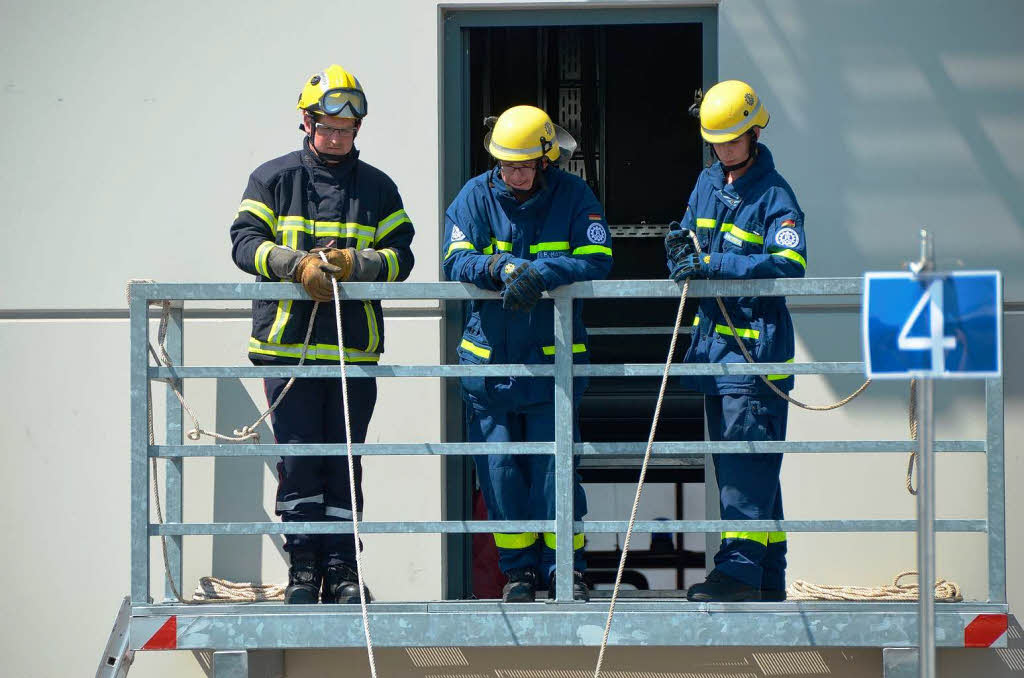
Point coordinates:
[[512, 169], [329, 131]]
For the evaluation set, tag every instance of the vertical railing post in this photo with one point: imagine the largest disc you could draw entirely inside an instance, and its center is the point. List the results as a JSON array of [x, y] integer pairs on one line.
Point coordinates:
[[138, 323], [174, 468], [926, 527], [996, 487], [564, 476]]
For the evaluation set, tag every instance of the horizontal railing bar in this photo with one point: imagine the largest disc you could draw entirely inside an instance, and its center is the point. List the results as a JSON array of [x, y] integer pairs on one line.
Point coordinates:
[[664, 449], [597, 289], [603, 526], [518, 370], [630, 331]]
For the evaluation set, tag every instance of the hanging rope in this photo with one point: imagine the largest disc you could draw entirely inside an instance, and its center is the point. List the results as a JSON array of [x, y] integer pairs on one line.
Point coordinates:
[[912, 459], [945, 591]]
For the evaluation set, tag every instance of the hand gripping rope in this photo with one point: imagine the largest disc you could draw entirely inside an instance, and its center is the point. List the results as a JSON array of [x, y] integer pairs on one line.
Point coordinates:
[[654, 427]]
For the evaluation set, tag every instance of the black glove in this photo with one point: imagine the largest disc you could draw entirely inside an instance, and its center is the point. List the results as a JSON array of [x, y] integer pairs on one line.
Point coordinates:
[[692, 266], [523, 286], [678, 244]]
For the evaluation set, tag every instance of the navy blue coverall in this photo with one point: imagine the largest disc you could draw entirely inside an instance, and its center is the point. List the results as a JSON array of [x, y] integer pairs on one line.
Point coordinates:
[[561, 230], [751, 228]]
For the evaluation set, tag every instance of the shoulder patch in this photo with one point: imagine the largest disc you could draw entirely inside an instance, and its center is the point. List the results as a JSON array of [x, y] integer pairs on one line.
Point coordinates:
[[457, 234], [594, 217], [787, 237], [596, 233]]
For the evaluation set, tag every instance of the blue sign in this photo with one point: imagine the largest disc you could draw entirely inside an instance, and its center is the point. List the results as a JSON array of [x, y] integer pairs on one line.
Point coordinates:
[[935, 325]]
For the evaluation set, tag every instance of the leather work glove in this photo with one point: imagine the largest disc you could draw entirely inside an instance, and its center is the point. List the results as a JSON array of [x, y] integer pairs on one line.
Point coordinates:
[[692, 266], [523, 286], [356, 265], [317, 277], [678, 243]]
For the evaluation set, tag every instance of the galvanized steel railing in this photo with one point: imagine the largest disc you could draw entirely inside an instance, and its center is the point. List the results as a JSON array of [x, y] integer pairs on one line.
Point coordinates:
[[142, 294]]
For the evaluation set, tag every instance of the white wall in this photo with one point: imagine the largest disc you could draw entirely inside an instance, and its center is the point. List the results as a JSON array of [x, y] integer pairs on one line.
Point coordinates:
[[128, 131]]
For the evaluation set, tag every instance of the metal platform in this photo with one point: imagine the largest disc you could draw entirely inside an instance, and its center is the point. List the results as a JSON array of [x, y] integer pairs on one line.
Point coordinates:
[[638, 622], [491, 624]]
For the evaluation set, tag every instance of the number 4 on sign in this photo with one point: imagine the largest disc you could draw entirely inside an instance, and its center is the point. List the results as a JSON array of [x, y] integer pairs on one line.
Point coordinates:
[[935, 342]]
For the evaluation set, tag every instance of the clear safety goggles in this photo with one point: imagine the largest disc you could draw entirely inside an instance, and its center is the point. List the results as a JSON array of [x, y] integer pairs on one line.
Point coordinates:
[[343, 102]]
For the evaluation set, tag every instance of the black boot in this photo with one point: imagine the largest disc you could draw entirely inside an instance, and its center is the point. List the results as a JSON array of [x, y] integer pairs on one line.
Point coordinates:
[[521, 586], [341, 585], [304, 578], [579, 587], [773, 595], [719, 587]]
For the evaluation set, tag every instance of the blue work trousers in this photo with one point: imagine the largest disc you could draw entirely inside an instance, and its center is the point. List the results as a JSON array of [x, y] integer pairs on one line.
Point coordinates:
[[749, 486], [522, 487], [316, 489]]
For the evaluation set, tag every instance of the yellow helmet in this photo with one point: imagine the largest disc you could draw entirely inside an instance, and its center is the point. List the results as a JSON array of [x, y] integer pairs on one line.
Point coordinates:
[[333, 91], [729, 110], [524, 133]]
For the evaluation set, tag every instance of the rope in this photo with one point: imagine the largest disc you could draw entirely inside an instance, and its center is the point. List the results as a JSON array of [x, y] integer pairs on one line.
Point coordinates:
[[913, 436], [352, 479], [640, 482], [945, 591]]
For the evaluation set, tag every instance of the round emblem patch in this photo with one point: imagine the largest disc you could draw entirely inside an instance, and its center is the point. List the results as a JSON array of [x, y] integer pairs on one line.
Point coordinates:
[[596, 234], [787, 237], [749, 98], [548, 129], [457, 233], [509, 267]]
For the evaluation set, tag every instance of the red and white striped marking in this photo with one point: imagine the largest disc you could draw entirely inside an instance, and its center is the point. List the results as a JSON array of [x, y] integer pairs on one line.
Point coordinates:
[[160, 633], [984, 630]]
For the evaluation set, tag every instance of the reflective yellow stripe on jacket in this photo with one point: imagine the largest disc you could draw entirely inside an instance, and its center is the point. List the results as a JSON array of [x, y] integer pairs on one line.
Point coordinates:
[[260, 210], [262, 254], [390, 223], [576, 348], [314, 352], [763, 538], [476, 350]]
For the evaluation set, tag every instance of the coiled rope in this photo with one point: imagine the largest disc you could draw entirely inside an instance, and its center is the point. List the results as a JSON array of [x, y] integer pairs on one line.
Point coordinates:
[[945, 591]]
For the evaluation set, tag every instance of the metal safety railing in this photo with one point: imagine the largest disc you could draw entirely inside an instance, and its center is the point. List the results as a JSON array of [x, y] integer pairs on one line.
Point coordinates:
[[563, 447]]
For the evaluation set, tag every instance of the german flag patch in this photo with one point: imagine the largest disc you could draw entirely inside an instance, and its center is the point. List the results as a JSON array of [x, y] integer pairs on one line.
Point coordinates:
[[788, 222], [594, 217]]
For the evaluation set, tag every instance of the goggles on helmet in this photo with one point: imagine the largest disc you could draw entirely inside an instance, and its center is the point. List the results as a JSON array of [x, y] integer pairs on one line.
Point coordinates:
[[344, 102]]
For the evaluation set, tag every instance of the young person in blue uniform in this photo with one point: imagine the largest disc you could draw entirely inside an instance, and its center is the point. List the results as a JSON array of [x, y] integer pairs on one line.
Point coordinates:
[[749, 225], [522, 228]]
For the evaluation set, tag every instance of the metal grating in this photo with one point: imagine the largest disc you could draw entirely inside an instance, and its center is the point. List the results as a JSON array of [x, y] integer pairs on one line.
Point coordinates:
[[798, 663], [436, 657], [1012, 657]]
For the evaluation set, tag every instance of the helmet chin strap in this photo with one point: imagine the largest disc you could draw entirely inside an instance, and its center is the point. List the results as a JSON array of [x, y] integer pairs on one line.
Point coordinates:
[[749, 159]]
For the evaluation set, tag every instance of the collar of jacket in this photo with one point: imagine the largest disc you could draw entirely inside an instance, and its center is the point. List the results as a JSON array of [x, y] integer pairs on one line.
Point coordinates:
[[732, 194], [310, 158], [503, 192]]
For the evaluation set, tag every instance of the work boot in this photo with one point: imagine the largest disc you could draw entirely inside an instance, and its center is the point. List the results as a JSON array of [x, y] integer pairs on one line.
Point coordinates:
[[304, 578], [521, 586], [579, 587], [341, 585], [720, 587], [773, 595]]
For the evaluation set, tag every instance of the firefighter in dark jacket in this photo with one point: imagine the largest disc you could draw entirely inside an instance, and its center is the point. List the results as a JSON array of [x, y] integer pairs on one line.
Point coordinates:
[[321, 199]]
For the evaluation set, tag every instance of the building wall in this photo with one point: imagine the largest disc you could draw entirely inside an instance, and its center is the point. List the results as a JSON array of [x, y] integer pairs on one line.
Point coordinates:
[[128, 132]]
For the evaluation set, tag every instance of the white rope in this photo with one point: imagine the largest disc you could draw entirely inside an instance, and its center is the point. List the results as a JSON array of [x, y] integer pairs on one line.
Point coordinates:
[[945, 591], [352, 479]]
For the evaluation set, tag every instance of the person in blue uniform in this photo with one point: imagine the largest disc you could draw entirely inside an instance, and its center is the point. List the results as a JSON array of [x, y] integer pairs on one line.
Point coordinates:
[[522, 228], [321, 199], [749, 225]]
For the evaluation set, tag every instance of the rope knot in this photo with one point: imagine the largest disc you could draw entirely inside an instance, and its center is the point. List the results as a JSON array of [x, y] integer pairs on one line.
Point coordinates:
[[247, 432], [194, 434]]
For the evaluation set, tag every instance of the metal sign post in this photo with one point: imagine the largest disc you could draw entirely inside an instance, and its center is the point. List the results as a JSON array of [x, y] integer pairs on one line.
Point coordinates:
[[926, 325]]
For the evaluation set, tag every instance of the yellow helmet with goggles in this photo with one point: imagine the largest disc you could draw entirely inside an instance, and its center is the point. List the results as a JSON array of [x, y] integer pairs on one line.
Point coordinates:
[[333, 91], [526, 133], [729, 110]]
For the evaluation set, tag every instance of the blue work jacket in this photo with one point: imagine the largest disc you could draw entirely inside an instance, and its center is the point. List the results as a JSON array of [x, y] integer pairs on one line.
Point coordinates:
[[561, 229], [751, 228]]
